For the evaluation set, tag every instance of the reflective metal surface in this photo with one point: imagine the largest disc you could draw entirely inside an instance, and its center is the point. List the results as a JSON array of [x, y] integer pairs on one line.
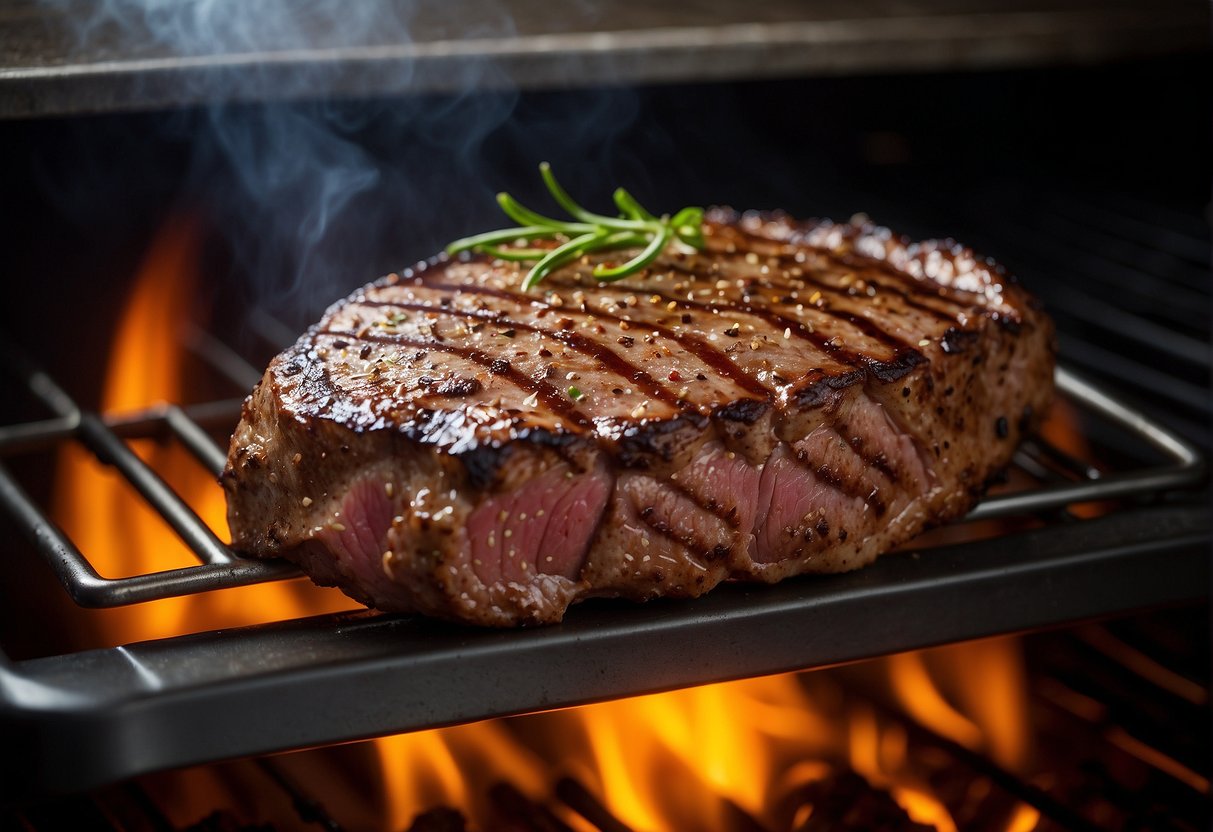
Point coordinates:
[[79, 56]]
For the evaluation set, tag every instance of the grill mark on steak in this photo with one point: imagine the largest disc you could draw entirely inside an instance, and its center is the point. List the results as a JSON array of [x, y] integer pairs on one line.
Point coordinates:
[[904, 358], [714, 357], [951, 294], [865, 325], [555, 401], [710, 505], [906, 297], [827, 344], [877, 460], [915, 289], [586, 346], [848, 486], [700, 550]]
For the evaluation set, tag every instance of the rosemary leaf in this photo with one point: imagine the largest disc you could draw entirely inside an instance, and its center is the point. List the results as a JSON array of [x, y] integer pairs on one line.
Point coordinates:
[[491, 238], [660, 241], [629, 207], [520, 213], [588, 232], [560, 255]]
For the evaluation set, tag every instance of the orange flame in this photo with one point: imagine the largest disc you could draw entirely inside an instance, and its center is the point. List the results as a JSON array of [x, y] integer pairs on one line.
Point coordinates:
[[670, 761], [988, 708], [114, 528], [676, 760]]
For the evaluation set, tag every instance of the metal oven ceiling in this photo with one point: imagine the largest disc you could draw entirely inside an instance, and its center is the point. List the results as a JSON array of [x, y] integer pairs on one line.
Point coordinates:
[[61, 57]]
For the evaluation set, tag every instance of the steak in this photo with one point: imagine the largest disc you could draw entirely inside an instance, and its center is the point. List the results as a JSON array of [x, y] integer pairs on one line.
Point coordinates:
[[798, 397]]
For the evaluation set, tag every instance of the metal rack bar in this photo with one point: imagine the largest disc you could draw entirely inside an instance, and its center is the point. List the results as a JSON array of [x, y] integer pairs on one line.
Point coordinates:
[[1055, 458], [219, 414], [111, 450], [1034, 466], [195, 439], [1185, 465], [180, 517], [220, 567], [88, 589], [151, 423], [33, 436], [223, 358]]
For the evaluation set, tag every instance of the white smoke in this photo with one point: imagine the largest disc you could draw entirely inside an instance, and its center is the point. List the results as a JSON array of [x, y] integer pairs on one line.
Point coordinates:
[[265, 71]]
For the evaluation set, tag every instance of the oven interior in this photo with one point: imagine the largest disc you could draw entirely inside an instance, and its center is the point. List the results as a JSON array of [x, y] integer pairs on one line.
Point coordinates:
[[158, 259]]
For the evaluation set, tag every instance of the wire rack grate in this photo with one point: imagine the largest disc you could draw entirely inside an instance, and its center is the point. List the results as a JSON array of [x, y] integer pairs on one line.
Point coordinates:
[[1060, 480]]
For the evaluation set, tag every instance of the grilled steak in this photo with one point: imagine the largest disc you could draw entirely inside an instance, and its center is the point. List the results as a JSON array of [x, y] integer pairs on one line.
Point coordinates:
[[799, 397]]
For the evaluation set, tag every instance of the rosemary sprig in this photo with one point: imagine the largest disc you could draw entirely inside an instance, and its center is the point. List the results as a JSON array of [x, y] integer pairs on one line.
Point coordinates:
[[587, 232]]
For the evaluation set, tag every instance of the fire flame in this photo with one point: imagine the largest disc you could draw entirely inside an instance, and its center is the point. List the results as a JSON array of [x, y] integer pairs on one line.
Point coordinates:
[[114, 528], [688, 759], [679, 760]]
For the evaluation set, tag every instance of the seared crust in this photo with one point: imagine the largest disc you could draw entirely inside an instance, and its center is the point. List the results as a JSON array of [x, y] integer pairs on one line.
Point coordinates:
[[890, 379]]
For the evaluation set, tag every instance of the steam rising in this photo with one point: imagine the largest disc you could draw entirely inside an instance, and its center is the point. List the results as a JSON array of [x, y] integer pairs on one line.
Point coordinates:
[[313, 195]]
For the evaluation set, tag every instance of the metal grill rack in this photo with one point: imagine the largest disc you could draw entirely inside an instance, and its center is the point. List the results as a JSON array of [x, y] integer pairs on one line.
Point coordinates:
[[221, 568], [86, 717]]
